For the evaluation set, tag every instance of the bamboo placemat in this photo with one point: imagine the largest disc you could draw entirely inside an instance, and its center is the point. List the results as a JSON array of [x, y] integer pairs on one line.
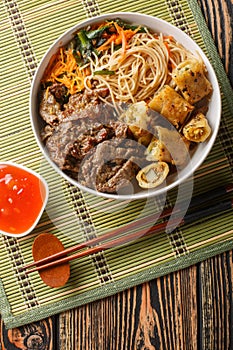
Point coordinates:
[[28, 28]]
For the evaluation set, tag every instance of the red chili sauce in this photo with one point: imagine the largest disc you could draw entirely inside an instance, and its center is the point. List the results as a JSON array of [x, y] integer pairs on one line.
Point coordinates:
[[21, 199]]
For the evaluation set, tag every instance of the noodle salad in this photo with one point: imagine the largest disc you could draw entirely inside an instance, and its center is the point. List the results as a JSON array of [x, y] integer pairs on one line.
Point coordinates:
[[132, 62], [133, 71]]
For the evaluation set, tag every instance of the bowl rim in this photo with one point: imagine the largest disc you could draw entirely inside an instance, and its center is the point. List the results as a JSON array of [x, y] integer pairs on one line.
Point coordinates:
[[38, 176], [131, 17]]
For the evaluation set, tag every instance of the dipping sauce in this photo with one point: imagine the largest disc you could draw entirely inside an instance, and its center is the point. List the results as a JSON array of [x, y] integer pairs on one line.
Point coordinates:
[[22, 199]]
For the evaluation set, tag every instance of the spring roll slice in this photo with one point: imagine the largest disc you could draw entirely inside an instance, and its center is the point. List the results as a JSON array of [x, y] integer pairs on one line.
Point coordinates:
[[152, 175], [176, 145], [157, 152], [190, 77], [136, 114], [197, 129], [171, 105], [137, 118]]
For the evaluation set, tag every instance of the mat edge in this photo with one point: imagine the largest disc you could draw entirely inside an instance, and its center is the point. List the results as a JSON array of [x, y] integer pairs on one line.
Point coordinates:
[[5, 306], [208, 40], [182, 262], [13, 321]]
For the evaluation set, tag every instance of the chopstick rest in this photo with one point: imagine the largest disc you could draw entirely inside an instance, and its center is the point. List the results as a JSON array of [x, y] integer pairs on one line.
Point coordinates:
[[48, 244]]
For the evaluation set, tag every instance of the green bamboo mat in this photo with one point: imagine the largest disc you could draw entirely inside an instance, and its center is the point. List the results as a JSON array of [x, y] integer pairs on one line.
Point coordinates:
[[27, 29]]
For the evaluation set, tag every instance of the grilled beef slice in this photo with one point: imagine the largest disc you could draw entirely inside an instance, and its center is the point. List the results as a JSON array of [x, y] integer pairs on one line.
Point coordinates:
[[98, 152], [111, 165]]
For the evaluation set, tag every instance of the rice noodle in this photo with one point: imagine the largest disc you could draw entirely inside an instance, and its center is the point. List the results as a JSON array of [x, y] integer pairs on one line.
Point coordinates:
[[141, 71]]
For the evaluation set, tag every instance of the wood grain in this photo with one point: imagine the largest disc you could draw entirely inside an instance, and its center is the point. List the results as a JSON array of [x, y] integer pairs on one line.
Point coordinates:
[[38, 335], [191, 309], [219, 16], [142, 317], [216, 302]]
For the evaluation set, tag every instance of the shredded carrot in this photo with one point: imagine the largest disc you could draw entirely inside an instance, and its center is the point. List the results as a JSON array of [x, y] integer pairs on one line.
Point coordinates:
[[121, 38], [63, 68], [49, 67], [129, 33], [168, 37], [87, 71], [107, 43], [103, 24], [47, 93]]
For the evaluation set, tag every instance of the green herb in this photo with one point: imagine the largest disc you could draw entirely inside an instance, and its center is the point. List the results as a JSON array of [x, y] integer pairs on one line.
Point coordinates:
[[104, 72], [77, 57], [125, 25], [96, 34], [87, 41], [100, 42], [117, 47], [84, 46]]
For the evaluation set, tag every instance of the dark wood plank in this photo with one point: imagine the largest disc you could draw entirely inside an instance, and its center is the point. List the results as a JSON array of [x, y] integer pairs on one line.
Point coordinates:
[[216, 302], [216, 274], [161, 314], [219, 16], [38, 335], [154, 315], [189, 309]]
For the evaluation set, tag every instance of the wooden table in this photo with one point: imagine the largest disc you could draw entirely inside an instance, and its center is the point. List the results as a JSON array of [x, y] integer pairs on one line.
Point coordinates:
[[188, 309]]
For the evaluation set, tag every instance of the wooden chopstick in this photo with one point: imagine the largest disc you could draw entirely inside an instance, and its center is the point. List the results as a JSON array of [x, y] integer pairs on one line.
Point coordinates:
[[202, 198], [62, 257], [140, 222], [110, 244]]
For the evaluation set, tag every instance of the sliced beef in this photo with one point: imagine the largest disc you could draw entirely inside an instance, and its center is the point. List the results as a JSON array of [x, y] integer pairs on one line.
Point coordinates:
[[111, 165], [84, 99], [70, 141], [50, 109], [80, 105], [86, 140], [120, 178], [60, 92]]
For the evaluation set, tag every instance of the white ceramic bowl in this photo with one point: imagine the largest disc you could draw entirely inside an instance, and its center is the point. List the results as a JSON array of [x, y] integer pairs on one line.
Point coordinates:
[[160, 26], [18, 210]]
